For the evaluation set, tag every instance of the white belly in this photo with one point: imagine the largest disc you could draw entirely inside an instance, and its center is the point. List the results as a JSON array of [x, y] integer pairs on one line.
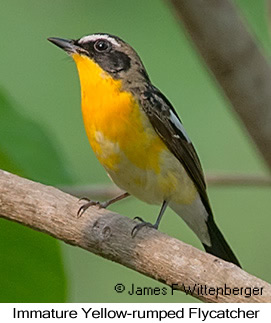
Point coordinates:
[[171, 182]]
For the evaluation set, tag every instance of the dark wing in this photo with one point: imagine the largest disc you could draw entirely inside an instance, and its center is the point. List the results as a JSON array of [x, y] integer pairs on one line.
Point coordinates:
[[169, 127]]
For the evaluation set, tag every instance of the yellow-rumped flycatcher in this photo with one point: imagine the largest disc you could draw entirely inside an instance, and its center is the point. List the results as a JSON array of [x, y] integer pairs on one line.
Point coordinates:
[[138, 137]]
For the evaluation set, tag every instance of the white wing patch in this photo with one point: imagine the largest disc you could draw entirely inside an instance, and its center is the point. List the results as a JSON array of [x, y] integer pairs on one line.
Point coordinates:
[[94, 37], [178, 125]]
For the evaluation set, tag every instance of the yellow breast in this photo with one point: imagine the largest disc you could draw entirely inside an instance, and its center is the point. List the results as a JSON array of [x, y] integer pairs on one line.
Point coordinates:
[[125, 142], [114, 121]]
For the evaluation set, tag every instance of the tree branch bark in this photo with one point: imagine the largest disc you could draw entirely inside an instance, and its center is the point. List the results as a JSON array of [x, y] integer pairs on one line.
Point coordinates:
[[236, 61], [108, 234]]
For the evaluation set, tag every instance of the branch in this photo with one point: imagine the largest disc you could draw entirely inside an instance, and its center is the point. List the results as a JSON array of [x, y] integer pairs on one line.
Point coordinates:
[[108, 191], [244, 180], [238, 64], [108, 234]]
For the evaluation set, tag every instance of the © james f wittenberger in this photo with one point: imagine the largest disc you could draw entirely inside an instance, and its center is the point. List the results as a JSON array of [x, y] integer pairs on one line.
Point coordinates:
[[194, 290]]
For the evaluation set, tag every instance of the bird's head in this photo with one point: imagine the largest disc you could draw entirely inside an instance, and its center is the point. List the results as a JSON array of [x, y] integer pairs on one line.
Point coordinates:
[[105, 55]]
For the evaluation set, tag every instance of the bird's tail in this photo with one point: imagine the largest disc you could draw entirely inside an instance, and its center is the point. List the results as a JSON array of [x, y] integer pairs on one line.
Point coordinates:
[[219, 247], [202, 223]]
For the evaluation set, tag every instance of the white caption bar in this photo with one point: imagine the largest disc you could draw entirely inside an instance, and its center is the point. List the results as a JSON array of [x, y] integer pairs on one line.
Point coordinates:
[[137, 312]]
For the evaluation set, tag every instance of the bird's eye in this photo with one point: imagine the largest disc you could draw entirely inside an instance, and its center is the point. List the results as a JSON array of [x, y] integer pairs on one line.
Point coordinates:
[[102, 45]]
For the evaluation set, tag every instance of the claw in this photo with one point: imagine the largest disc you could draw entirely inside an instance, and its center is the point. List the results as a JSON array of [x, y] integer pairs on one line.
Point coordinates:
[[85, 206], [84, 199], [138, 218], [148, 224], [139, 226], [100, 205]]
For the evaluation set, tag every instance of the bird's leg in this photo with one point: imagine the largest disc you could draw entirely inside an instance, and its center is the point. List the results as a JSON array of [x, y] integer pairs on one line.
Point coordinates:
[[138, 226], [101, 205]]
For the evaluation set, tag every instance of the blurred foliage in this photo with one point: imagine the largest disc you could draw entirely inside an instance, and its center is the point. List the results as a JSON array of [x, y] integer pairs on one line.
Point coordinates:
[[55, 150], [25, 144], [31, 267]]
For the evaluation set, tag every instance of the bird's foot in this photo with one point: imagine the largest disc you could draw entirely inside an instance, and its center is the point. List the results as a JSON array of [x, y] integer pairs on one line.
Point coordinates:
[[100, 205], [85, 206], [139, 226]]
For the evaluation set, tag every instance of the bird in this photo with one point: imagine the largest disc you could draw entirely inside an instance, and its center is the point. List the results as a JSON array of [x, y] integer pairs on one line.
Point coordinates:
[[139, 139]]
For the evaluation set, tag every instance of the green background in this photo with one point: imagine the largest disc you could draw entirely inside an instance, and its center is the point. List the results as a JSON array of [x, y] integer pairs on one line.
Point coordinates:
[[42, 138]]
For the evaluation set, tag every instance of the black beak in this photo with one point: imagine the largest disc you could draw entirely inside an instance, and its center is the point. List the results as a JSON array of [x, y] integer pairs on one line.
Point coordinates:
[[66, 44]]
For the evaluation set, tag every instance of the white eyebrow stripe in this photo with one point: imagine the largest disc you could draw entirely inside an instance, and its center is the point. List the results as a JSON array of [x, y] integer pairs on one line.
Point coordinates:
[[86, 39], [179, 125]]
